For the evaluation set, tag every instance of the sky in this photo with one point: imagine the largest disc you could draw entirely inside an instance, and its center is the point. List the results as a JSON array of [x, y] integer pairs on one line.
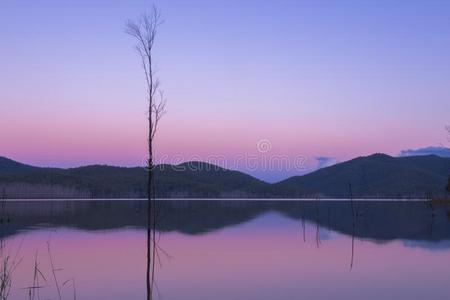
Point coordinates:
[[249, 84]]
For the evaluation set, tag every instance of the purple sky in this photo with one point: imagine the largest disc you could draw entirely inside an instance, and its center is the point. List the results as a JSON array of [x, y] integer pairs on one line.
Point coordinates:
[[334, 79]]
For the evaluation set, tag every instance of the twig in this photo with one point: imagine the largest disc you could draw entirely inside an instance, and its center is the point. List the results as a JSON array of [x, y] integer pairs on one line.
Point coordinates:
[[54, 271]]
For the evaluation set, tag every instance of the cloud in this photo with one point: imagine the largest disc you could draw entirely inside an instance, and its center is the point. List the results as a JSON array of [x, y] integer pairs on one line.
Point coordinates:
[[439, 151], [324, 161]]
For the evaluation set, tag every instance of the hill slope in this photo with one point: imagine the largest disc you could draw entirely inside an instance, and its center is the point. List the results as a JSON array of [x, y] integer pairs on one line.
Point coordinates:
[[188, 180], [9, 166], [375, 176]]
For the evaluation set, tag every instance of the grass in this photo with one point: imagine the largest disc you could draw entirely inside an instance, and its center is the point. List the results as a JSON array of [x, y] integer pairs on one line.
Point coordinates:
[[9, 263]]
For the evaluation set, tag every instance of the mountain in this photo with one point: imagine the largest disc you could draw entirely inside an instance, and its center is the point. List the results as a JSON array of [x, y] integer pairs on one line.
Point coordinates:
[[375, 176], [187, 180], [9, 166], [199, 179]]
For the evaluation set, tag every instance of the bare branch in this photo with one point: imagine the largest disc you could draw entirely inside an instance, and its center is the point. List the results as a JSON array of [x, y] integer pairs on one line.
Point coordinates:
[[145, 32], [158, 109]]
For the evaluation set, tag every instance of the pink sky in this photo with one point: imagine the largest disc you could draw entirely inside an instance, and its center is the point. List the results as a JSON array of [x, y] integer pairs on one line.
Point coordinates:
[[314, 80]]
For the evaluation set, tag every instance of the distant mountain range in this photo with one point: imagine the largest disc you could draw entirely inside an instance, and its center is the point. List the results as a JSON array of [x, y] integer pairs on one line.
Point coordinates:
[[375, 176]]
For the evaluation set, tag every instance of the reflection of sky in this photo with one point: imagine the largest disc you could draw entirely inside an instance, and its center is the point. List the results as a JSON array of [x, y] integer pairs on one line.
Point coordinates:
[[265, 258]]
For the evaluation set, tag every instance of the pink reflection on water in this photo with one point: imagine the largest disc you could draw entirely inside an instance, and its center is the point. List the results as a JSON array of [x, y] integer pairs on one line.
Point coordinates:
[[263, 259]]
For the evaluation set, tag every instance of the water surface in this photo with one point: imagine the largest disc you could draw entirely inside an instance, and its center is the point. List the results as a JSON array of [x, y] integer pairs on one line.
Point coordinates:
[[232, 249]]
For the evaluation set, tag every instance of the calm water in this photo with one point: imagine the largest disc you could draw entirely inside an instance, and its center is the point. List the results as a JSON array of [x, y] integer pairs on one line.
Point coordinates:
[[232, 249]]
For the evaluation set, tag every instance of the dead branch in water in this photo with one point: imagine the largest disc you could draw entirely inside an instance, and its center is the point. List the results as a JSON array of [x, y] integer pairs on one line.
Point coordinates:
[[58, 289], [354, 216]]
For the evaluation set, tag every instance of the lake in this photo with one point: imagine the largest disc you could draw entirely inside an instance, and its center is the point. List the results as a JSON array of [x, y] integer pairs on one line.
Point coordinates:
[[229, 249]]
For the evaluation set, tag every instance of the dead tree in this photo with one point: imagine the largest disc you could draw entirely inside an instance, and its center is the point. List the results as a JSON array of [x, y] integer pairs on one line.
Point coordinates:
[[144, 30], [448, 130]]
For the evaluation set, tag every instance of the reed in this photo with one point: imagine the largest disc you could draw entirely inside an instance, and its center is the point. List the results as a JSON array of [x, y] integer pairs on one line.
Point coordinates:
[[8, 263]]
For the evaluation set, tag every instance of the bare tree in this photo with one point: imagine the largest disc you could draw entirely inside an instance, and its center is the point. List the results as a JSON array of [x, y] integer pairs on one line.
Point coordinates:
[[448, 138], [144, 30]]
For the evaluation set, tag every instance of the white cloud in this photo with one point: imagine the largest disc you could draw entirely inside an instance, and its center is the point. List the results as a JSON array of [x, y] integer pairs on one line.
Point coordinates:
[[439, 151]]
